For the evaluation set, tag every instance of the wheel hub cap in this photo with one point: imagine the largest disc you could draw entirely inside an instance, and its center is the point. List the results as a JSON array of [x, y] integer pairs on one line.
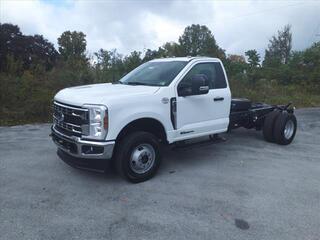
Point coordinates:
[[289, 129], [142, 158]]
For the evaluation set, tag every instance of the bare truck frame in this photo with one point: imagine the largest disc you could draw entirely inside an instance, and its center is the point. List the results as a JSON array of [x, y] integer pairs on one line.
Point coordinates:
[[277, 122]]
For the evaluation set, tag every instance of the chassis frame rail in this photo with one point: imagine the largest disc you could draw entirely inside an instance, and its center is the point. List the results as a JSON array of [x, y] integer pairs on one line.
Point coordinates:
[[254, 116]]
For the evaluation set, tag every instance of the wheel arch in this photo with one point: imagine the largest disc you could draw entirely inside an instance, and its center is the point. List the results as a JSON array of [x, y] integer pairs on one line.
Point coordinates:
[[147, 124]]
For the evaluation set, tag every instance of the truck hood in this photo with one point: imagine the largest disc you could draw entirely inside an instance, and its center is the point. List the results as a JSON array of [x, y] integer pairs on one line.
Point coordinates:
[[101, 93]]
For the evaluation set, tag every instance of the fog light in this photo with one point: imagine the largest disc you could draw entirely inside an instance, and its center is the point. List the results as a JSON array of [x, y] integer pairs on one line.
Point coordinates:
[[91, 150]]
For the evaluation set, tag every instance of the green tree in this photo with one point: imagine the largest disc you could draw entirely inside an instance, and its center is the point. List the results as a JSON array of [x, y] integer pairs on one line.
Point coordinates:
[[235, 65], [253, 71], [132, 61], [34, 52], [117, 66], [198, 40], [150, 54], [279, 48], [72, 45], [253, 58], [103, 59], [110, 65], [171, 49], [311, 64], [75, 64]]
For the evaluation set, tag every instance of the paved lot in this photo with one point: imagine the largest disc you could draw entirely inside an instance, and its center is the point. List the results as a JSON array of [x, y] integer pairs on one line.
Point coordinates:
[[243, 188]]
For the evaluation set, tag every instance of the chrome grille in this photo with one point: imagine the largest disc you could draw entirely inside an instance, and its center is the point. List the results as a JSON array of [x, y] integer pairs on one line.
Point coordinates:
[[70, 120]]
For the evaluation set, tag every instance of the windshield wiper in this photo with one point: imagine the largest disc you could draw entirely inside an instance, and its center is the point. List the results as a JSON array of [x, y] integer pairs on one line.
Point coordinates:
[[137, 83], [117, 82]]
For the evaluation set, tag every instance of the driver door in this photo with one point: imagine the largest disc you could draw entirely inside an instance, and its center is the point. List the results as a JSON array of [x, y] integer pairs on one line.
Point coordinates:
[[199, 115]]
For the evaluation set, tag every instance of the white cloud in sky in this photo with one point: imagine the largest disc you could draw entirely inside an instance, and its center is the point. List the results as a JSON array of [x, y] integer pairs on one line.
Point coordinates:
[[137, 25]]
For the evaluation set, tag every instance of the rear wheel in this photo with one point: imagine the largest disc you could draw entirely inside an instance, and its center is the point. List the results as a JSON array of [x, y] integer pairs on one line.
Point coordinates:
[[138, 156], [268, 125], [285, 128]]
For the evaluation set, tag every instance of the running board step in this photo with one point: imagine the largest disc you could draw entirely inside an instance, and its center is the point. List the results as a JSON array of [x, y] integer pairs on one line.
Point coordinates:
[[213, 139]]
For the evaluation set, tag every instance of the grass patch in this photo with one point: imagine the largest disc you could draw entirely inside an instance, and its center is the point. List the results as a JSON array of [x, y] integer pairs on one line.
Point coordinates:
[[273, 93]]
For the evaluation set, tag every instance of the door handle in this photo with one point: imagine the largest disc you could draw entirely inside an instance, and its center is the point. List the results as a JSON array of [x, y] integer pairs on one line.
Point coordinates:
[[218, 99]]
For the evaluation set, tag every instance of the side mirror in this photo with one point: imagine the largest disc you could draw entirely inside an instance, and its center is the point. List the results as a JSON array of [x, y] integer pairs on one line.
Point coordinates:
[[200, 84], [184, 89]]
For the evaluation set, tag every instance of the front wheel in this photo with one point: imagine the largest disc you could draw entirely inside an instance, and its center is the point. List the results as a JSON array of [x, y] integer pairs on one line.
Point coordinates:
[[138, 156]]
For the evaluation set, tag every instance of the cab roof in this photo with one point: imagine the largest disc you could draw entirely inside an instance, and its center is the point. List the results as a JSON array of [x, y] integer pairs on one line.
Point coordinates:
[[184, 59]]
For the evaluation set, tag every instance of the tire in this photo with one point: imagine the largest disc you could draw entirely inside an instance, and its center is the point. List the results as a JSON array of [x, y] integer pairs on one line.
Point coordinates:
[[268, 126], [285, 128], [138, 156]]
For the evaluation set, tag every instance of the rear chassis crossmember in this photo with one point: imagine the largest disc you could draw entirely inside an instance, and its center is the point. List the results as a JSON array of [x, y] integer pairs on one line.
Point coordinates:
[[255, 115]]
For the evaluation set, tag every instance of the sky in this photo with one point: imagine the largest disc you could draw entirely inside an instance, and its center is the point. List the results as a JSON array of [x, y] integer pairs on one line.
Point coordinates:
[[141, 24]]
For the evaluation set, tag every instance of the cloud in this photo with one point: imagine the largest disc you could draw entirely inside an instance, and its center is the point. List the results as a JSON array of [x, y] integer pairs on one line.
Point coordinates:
[[138, 25]]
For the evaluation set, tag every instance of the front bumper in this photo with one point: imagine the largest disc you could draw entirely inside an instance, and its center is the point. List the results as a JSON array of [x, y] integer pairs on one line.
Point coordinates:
[[79, 148]]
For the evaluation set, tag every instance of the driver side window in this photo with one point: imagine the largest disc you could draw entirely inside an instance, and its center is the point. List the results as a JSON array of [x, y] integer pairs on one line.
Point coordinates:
[[206, 69]]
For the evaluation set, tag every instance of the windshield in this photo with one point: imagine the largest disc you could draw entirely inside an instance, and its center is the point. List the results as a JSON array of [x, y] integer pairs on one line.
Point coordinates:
[[154, 73]]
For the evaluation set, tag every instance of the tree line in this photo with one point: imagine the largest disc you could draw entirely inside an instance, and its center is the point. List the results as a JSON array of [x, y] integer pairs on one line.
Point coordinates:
[[32, 70]]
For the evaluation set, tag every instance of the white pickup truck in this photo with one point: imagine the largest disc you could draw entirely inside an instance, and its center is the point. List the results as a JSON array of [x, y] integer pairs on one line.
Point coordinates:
[[163, 101]]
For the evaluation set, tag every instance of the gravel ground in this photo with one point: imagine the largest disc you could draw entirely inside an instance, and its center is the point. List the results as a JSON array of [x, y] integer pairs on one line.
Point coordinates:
[[243, 188]]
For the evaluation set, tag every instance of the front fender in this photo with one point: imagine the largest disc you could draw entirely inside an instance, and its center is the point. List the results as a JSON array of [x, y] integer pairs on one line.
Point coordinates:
[[117, 126]]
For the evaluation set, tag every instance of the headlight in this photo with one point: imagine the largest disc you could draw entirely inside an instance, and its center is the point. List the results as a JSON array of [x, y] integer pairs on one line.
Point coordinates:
[[98, 122]]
